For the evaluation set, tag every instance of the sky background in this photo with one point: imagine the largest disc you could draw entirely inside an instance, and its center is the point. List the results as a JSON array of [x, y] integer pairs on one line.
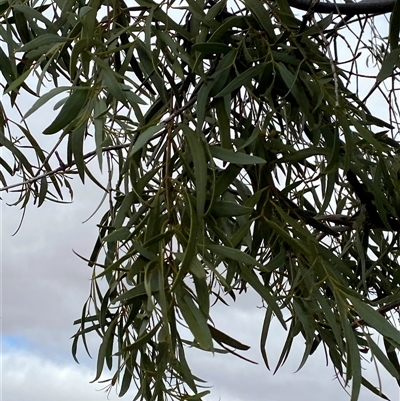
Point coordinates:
[[44, 286]]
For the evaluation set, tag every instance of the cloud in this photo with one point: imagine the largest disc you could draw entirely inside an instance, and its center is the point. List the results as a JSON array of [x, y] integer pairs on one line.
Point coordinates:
[[45, 286], [27, 376], [33, 377]]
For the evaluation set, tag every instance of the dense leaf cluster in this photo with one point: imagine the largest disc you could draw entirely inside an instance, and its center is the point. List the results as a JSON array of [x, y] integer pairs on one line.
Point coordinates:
[[235, 156]]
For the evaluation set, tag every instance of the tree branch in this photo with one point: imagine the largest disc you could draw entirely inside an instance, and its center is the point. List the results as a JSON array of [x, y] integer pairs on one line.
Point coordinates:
[[64, 167], [362, 7]]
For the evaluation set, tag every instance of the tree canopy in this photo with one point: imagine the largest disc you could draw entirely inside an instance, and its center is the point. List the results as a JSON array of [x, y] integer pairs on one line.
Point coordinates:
[[237, 149]]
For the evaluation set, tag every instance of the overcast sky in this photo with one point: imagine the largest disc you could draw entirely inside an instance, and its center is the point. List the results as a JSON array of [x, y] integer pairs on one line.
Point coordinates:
[[44, 286]]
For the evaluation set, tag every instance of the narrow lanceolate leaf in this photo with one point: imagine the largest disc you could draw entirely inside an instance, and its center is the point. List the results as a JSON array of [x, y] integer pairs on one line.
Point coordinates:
[[388, 65], [45, 98], [194, 318], [353, 362], [382, 358], [226, 209], [375, 320], [16, 152], [264, 335], [262, 15], [184, 369], [43, 191], [222, 106], [126, 381], [46, 39], [100, 109], [394, 27], [112, 86], [212, 48], [71, 109], [190, 249], [265, 293], [242, 79], [76, 140], [5, 66], [104, 350], [234, 254], [231, 156], [18, 82], [200, 166], [145, 137], [118, 235], [223, 338], [304, 154]]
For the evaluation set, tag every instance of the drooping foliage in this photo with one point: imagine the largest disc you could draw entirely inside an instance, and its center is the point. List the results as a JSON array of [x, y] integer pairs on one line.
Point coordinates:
[[237, 150]]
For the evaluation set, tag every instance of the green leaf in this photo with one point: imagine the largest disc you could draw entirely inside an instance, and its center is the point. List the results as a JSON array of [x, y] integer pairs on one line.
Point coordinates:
[[231, 156], [394, 26], [145, 137], [104, 350], [43, 191], [264, 335], [45, 98], [190, 249], [382, 358], [212, 48], [126, 382], [242, 79], [262, 16], [221, 337], [76, 139], [18, 82], [200, 167], [194, 318], [375, 320], [353, 362], [16, 152], [131, 96], [228, 209], [138, 291], [42, 40], [293, 86], [389, 63], [264, 291], [302, 154], [184, 368], [5, 66], [222, 107], [112, 86], [373, 389], [234, 254], [120, 234], [33, 14], [71, 109]]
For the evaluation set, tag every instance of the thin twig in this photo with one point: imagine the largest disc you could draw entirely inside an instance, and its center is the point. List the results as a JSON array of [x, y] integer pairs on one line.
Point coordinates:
[[64, 167]]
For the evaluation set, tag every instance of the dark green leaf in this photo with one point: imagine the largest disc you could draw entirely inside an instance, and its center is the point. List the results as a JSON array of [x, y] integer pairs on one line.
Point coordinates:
[[71, 109], [212, 48], [242, 79], [221, 337], [231, 156], [118, 235], [375, 320], [46, 39]]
